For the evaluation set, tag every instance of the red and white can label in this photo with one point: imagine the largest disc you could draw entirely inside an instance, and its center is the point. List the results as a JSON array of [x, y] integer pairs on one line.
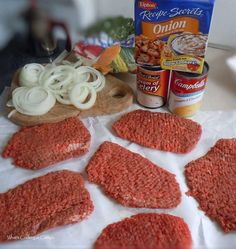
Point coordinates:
[[187, 86], [186, 94], [153, 82], [152, 86]]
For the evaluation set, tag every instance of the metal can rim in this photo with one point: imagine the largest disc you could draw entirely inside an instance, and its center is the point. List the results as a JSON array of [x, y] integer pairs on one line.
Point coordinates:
[[151, 68]]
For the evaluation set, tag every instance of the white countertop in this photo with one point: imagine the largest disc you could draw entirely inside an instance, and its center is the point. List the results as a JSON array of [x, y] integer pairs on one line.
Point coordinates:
[[221, 87]]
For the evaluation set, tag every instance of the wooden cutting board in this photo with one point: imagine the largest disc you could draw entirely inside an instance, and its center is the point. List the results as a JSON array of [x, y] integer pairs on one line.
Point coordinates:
[[115, 97]]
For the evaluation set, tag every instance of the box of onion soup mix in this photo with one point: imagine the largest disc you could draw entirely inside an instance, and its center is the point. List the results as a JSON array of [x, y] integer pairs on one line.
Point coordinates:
[[172, 34]]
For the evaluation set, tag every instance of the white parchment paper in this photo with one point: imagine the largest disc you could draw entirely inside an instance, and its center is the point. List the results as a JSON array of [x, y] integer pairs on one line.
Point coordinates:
[[206, 234]]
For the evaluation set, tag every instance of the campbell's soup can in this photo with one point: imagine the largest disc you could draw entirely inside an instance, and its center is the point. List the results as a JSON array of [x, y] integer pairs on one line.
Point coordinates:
[[152, 86], [186, 92]]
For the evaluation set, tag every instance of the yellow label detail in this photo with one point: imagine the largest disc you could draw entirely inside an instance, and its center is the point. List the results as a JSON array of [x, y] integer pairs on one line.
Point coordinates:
[[170, 60], [185, 63], [187, 111]]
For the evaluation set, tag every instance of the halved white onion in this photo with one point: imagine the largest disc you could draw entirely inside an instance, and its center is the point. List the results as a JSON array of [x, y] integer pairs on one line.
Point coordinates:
[[78, 96], [33, 101], [29, 74]]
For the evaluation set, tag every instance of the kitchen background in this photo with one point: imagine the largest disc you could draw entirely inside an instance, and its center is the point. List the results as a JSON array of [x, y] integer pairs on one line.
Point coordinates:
[[78, 14], [220, 95]]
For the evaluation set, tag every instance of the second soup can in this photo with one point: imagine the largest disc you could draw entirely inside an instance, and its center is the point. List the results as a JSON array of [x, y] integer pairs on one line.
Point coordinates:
[[152, 86], [187, 91]]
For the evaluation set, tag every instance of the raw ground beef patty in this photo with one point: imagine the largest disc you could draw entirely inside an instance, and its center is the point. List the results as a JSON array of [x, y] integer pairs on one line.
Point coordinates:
[[45, 202], [161, 131], [212, 182], [40, 146], [131, 179], [146, 231]]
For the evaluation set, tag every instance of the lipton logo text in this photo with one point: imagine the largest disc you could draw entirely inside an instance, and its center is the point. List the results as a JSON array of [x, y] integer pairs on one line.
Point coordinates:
[[147, 5]]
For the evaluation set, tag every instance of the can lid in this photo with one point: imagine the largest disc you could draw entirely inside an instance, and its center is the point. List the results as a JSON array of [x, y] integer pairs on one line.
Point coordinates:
[[150, 68]]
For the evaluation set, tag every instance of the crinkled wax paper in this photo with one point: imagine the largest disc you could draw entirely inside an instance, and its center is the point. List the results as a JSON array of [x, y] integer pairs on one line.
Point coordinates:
[[206, 233]]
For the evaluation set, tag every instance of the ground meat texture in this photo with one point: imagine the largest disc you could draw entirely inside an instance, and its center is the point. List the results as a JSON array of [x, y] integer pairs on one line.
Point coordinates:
[[40, 146], [212, 182], [131, 179], [146, 231], [161, 131], [45, 202]]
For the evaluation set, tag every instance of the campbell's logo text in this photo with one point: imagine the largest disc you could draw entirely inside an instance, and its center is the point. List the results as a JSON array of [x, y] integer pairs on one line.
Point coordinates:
[[147, 5], [189, 86]]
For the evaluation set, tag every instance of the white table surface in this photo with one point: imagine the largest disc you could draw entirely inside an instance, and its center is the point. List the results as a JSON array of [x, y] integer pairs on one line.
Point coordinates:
[[221, 87], [220, 95]]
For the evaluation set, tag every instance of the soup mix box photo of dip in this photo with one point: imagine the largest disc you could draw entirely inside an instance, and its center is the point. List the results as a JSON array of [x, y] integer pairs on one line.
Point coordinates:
[[172, 34]]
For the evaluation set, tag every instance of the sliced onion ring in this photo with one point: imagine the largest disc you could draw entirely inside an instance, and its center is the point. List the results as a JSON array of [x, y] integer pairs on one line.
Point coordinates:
[[29, 74], [77, 64], [63, 98], [78, 96], [68, 84], [98, 78], [33, 101], [57, 77]]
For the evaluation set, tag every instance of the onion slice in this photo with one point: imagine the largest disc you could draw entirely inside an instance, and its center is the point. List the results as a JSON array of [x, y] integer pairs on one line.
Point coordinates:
[[57, 77], [69, 84], [29, 74], [63, 98], [33, 101], [77, 64], [83, 96], [98, 78], [9, 103]]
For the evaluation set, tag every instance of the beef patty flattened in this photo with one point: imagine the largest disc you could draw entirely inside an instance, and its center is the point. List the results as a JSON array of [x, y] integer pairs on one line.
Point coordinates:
[[212, 182], [131, 179], [146, 231], [45, 202], [161, 131], [40, 146]]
